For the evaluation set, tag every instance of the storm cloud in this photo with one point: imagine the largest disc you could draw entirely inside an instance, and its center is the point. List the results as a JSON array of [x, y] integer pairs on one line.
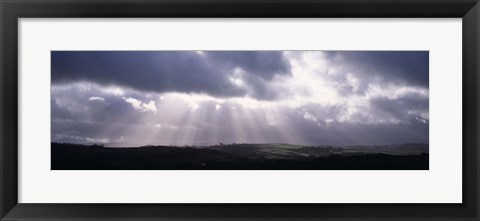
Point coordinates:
[[388, 67], [211, 73]]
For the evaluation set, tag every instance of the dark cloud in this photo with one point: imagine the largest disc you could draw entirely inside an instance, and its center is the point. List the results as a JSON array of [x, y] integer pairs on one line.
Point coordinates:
[[263, 64], [356, 132], [400, 108], [76, 118], [388, 67], [170, 71], [58, 112]]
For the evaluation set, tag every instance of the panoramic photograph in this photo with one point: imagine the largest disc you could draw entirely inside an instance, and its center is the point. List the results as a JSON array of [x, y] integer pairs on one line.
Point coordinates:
[[239, 110]]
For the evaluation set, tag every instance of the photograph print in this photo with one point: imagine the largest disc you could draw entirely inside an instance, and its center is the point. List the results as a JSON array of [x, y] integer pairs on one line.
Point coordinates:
[[239, 110]]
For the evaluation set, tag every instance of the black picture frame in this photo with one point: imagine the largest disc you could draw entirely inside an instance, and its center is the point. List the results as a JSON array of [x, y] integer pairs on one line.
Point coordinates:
[[12, 10]]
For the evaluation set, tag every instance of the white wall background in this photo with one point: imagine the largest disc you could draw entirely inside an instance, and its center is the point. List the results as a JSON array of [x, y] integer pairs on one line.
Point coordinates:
[[441, 184]]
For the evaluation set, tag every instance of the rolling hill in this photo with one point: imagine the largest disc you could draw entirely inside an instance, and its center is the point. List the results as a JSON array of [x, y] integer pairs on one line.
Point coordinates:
[[240, 157]]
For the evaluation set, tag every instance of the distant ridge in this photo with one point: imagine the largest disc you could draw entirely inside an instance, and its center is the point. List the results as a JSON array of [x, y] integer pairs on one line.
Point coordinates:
[[240, 157]]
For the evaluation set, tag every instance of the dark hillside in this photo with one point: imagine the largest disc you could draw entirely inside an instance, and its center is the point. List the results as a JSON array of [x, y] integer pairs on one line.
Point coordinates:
[[235, 157]]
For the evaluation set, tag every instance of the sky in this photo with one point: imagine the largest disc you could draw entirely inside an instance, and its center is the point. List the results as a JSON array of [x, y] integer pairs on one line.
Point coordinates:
[[136, 98]]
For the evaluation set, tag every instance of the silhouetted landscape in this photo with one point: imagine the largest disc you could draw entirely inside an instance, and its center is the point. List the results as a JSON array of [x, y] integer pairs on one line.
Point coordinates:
[[66, 156]]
